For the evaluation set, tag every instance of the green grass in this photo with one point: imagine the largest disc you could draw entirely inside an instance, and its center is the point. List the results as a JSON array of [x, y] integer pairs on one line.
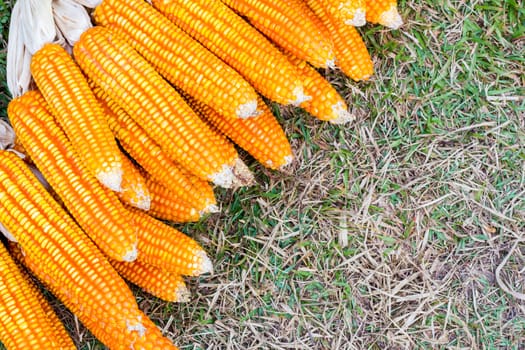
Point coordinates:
[[386, 233]]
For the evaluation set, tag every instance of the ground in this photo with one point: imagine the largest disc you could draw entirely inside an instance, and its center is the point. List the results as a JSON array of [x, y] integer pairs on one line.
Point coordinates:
[[403, 230]]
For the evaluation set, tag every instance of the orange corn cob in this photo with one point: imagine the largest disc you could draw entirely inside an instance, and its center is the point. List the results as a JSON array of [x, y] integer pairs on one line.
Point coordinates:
[[130, 81], [349, 12], [59, 331], [289, 24], [350, 51], [166, 205], [135, 191], [165, 285], [261, 136], [68, 262], [148, 154], [77, 111], [326, 103], [178, 57], [167, 248], [240, 45], [24, 324], [383, 12], [96, 209]]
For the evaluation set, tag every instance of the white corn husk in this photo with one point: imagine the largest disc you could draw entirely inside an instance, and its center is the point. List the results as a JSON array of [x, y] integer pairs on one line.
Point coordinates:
[[18, 74], [88, 3], [7, 135], [71, 19], [37, 24]]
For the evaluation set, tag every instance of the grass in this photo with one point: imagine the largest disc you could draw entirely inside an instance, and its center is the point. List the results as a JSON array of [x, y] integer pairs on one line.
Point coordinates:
[[394, 232]]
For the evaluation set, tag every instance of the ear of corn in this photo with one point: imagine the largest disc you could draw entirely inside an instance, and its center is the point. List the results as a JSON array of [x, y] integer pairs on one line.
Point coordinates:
[[169, 249], [240, 45], [261, 136], [163, 284], [349, 12], [326, 103], [78, 112], [135, 191], [178, 57], [148, 154], [166, 205], [67, 261], [350, 51], [129, 80], [59, 331], [24, 323], [290, 25], [383, 12], [94, 207]]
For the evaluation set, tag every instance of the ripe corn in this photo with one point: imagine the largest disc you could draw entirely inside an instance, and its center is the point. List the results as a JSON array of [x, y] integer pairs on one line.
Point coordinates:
[[240, 45], [350, 51], [24, 324], [166, 205], [148, 154], [59, 331], [261, 136], [326, 103], [167, 248], [135, 191], [77, 111], [178, 57], [383, 12], [289, 24], [349, 12], [165, 285], [67, 261], [129, 80], [96, 209]]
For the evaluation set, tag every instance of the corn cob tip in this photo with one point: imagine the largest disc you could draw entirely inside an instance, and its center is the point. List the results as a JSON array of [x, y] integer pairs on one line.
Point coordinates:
[[131, 255], [223, 178], [330, 64], [343, 116], [247, 110], [136, 326], [300, 96], [183, 294], [112, 178], [211, 208], [206, 265], [243, 175], [391, 18], [359, 19]]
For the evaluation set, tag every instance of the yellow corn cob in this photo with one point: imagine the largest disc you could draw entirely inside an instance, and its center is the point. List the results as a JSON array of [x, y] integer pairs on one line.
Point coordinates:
[[77, 111], [261, 136], [135, 191], [350, 51], [166, 205], [240, 45], [288, 24], [68, 262], [349, 12], [94, 207], [147, 153], [130, 81], [24, 324], [383, 12], [178, 57], [59, 331], [167, 248], [326, 103], [165, 285]]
